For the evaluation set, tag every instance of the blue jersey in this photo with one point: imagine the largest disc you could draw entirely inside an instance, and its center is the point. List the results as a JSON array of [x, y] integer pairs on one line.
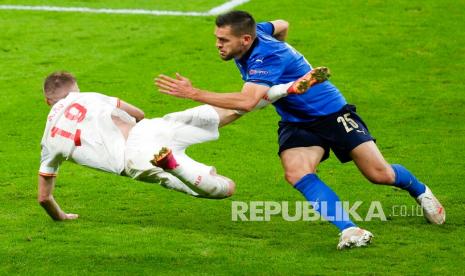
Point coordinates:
[[270, 62]]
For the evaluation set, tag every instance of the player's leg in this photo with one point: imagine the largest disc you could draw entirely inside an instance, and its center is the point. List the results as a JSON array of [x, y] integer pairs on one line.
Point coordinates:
[[192, 126], [203, 179], [301, 150], [201, 114], [137, 167], [200, 178], [357, 144], [300, 171], [300, 167], [137, 158], [227, 116], [371, 163], [205, 115], [354, 142], [165, 179]]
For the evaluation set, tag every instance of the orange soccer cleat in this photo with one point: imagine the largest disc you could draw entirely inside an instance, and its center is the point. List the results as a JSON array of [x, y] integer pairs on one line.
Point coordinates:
[[316, 75], [164, 159]]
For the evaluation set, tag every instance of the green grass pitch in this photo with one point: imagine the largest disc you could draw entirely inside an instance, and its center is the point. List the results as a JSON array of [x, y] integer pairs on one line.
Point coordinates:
[[401, 62]]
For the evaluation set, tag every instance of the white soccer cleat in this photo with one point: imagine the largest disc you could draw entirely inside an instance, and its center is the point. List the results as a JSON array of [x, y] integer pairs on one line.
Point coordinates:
[[354, 237], [432, 208]]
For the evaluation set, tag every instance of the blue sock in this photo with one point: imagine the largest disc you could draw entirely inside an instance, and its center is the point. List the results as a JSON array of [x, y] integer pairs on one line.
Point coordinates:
[[317, 192], [407, 181]]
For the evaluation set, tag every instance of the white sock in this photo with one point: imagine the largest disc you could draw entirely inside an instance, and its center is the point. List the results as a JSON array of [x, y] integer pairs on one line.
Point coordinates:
[[205, 184]]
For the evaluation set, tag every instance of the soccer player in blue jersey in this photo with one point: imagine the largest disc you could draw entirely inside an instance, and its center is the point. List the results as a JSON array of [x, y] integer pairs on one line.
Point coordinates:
[[311, 123]]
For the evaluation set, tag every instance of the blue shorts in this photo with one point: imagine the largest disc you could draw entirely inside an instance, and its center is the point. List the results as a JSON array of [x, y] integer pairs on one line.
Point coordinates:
[[341, 132]]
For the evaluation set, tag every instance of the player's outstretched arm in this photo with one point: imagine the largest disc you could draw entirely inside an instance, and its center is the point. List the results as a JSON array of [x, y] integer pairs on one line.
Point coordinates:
[[281, 28], [181, 87], [46, 200], [132, 110]]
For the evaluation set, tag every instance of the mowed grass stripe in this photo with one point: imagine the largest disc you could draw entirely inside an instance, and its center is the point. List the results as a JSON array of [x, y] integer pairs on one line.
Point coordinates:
[[401, 63]]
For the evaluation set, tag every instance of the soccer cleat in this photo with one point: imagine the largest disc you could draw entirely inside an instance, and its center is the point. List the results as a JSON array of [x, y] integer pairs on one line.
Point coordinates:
[[164, 159], [354, 237], [432, 208], [316, 75]]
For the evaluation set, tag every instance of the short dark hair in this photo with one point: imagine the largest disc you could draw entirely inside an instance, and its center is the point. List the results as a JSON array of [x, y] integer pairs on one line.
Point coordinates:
[[241, 22], [58, 80]]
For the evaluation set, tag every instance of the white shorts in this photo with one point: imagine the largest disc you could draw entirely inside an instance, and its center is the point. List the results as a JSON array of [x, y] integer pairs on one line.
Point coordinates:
[[176, 131]]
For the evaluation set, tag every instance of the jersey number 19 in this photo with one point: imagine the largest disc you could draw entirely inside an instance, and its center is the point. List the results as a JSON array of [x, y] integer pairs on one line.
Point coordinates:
[[74, 112]]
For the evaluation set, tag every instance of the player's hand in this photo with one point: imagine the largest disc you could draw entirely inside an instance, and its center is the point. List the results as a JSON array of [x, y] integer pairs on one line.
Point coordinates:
[[180, 87]]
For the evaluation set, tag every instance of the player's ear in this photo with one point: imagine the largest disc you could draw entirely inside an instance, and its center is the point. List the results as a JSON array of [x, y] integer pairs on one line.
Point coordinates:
[[246, 39], [48, 101], [65, 90]]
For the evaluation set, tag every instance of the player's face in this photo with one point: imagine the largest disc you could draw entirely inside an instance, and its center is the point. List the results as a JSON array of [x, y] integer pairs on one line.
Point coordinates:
[[229, 46]]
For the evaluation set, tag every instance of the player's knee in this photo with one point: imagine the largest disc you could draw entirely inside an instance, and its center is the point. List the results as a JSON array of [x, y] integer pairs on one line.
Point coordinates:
[[382, 175], [293, 176], [290, 177], [298, 168]]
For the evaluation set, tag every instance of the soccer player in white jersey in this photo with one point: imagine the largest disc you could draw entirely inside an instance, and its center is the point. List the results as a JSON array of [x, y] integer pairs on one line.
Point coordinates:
[[109, 134]]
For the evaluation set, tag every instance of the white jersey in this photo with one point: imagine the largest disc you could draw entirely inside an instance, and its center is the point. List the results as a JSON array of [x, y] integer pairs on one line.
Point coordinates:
[[80, 129]]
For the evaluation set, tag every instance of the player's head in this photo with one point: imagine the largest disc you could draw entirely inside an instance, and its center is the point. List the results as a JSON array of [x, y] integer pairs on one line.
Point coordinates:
[[235, 33], [58, 85]]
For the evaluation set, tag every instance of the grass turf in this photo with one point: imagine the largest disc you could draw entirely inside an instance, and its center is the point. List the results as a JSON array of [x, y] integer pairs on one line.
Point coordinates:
[[400, 62]]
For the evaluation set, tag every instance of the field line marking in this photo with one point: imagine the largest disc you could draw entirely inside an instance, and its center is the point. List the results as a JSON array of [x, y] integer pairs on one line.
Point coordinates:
[[226, 6], [91, 10], [214, 11]]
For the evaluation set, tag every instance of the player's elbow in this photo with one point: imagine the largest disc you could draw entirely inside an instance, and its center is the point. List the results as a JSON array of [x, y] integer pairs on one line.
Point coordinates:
[[280, 26], [280, 29], [137, 113], [139, 116], [248, 105], [283, 24], [246, 108]]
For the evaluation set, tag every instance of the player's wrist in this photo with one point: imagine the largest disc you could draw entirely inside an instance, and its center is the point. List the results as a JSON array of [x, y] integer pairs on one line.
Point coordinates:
[[195, 94]]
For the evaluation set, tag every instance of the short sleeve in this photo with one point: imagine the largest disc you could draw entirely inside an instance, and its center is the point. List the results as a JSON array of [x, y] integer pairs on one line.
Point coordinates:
[[266, 27], [116, 102], [266, 70], [49, 163]]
